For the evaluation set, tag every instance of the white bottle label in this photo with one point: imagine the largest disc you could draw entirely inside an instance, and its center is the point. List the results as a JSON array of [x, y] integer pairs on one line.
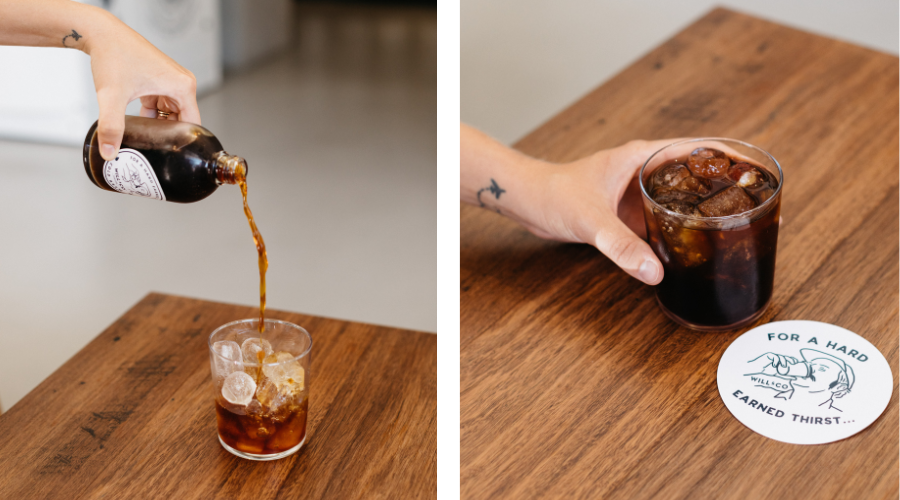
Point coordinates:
[[131, 173]]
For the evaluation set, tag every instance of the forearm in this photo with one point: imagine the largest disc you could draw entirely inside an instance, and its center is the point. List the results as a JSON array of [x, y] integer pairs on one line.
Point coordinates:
[[496, 177], [53, 23]]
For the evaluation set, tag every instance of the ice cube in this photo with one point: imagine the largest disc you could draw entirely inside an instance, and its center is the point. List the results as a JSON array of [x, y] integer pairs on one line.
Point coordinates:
[[746, 175], [274, 400], [665, 195], [229, 359], [709, 163], [741, 252], [731, 201], [688, 246], [266, 392], [287, 373], [670, 175], [297, 379], [259, 429], [254, 408], [681, 207], [252, 347], [762, 194], [238, 388], [695, 185]]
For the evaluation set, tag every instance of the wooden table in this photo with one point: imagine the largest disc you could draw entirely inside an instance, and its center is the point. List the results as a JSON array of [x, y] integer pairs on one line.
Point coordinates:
[[574, 384], [132, 415]]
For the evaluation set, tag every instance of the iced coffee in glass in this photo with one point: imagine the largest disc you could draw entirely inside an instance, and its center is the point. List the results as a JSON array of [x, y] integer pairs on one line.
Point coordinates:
[[261, 387], [712, 212]]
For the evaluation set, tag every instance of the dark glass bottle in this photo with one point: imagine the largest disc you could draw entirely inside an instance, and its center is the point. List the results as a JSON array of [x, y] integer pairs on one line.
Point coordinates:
[[163, 159]]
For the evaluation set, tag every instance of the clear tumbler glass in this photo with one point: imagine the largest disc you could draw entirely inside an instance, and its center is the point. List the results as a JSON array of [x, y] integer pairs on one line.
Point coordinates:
[[718, 271], [261, 387]]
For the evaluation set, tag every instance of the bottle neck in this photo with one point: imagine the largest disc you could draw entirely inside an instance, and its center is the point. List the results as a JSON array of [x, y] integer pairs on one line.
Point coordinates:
[[229, 169]]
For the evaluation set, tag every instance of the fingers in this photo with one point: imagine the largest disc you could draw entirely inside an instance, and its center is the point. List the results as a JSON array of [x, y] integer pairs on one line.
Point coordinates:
[[180, 102], [148, 112], [111, 124], [627, 160], [182, 99], [149, 106], [631, 210], [642, 150], [628, 251], [188, 111], [149, 102]]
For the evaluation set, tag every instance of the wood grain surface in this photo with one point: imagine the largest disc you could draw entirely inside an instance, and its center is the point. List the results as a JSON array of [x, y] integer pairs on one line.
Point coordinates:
[[575, 385], [132, 415]]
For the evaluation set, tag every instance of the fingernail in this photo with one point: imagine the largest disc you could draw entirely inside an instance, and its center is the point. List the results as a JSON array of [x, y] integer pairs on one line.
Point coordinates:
[[648, 272], [107, 151]]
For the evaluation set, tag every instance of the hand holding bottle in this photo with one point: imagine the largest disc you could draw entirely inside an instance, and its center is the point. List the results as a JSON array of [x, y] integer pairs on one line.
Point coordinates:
[[125, 66]]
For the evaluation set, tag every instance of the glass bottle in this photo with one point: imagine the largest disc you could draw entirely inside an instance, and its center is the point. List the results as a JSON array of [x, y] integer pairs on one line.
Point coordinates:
[[164, 160]]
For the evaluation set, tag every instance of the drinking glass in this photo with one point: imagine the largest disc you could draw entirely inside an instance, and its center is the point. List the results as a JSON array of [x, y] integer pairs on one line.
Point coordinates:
[[718, 271], [261, 387]]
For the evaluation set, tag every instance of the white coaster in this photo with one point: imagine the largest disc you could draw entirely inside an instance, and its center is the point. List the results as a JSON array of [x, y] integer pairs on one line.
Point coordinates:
[[804, 382]]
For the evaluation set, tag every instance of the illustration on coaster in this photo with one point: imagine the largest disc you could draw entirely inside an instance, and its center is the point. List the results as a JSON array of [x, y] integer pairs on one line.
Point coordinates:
[[804, 382], [815, 380]]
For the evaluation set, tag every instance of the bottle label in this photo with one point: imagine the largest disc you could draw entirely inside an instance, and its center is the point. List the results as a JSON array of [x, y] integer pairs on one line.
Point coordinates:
[[131, 173]]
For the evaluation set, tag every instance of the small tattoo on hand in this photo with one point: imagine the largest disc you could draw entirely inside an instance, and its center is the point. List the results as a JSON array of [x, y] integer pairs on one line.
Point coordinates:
[[74, 35], [494, 189]]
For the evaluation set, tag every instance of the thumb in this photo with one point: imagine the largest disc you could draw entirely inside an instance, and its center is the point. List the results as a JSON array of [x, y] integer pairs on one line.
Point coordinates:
[[627, 251], [111, 125]]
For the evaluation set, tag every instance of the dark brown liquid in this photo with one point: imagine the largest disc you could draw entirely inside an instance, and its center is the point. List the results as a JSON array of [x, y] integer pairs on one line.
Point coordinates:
[[179, 153], [263, 435], [263, 260], [716, 277], [265, 432]]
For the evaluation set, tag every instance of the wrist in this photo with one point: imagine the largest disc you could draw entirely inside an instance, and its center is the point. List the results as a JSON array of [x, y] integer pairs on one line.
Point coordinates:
[[534, 182], [497, 177], [98, 25]]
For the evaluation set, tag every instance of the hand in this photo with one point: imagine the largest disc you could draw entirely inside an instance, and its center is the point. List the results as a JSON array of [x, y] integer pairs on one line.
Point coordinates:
[[125, 67], [597, 200]]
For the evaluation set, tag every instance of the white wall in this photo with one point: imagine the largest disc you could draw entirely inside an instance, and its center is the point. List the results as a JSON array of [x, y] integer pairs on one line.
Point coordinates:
[[522, 61]]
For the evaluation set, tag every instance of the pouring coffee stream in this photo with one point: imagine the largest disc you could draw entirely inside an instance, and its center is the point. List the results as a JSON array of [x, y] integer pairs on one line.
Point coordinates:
[[261, 384], [173, 161], [263, 267]]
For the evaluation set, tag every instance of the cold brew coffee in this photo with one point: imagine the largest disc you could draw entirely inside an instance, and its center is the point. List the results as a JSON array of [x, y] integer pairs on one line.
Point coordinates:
[[711, 208], [261, 387]]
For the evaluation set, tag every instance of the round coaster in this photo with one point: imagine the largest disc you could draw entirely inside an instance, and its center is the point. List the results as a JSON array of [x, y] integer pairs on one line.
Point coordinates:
[[804, 382]]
